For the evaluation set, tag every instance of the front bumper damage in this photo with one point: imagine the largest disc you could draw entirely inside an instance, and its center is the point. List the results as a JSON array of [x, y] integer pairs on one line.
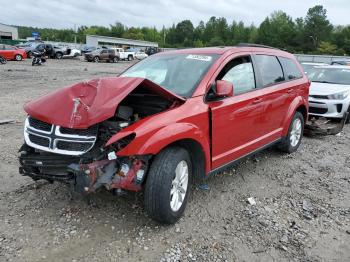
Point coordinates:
[[124, 173], [323, 126]]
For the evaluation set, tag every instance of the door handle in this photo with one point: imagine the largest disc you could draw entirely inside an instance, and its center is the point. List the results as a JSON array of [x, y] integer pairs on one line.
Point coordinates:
[[257, 101], [290, 90]]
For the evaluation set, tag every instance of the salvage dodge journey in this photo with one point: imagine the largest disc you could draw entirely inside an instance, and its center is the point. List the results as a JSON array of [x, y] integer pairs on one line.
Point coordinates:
[[166, 121]]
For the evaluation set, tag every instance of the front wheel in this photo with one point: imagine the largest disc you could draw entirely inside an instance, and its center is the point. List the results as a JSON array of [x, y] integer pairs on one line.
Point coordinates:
[[115, 60], [96, 59], [292, 141], [168, 185], [2, 60]]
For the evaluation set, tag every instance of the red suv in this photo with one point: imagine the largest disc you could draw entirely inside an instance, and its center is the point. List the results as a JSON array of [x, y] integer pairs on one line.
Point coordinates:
[[167, 120], [12, 53]]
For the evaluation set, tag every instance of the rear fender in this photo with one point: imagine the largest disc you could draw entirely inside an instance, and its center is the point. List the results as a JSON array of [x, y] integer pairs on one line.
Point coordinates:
[[298, 101]]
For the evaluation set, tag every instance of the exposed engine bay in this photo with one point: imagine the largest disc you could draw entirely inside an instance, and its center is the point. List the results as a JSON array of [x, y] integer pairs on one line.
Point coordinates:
[[80, 156]]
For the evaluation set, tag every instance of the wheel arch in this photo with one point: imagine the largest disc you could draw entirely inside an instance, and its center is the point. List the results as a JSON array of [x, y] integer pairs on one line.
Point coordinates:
[[197, 155], [185, 135], [298, 105]]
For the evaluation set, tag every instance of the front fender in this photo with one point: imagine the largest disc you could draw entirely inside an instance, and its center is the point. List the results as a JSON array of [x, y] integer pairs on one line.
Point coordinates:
[[153, 143], [297, 102]]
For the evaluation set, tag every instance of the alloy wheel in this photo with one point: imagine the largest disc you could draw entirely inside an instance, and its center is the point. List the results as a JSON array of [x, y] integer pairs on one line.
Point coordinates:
[[295, 134], [179, 186]]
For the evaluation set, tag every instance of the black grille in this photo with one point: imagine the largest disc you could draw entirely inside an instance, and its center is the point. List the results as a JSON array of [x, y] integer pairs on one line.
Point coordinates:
[[91, 131], [40, 125], [317, 110], [318, 96], [41, 141], [73, 146]]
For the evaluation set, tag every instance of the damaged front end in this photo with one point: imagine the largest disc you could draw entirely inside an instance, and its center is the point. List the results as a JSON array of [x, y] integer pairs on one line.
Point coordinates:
[[68, 135]]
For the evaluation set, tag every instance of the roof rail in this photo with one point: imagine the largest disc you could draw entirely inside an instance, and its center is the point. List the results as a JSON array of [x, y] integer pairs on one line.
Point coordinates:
[[255, 45]]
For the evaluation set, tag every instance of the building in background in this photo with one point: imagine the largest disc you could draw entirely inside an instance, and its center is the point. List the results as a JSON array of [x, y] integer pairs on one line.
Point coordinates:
[[8, 32], [96, 40]]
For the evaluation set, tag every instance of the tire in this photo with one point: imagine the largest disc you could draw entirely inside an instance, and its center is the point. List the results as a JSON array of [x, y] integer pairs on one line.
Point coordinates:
[[58, 55], [348, 120], [163, 179], [96, 59], [130, 58], [18, 57], [2, 60], [115, 60], [292, 141]]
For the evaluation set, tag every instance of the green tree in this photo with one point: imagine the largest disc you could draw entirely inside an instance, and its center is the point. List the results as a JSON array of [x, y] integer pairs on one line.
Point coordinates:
[[317, 28], [327, 48], [184, 33], [278, 31]]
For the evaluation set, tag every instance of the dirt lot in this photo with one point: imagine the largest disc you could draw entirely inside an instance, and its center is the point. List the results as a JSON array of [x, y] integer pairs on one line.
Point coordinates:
[[302, 210]]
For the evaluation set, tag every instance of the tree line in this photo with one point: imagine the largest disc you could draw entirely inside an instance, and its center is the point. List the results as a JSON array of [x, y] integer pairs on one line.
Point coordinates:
[[312, 34]]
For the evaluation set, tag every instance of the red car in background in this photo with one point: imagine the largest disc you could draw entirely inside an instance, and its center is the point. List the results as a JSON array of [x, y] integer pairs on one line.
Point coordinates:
[[12, 53]]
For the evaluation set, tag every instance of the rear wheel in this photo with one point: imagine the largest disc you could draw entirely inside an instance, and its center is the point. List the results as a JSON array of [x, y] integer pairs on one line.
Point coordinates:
[[115, 60], [18, 57], [292, 141], [96, 59], [59, 55], [168, 185]]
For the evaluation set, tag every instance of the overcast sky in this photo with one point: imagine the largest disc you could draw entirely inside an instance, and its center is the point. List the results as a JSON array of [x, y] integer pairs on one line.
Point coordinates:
[[67, 13]]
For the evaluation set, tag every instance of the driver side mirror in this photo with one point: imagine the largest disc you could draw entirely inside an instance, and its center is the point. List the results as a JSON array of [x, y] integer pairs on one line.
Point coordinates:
[[223, 89]]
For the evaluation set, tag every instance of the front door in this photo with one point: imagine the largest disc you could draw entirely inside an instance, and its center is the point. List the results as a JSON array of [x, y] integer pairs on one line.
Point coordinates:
[[236, 121]]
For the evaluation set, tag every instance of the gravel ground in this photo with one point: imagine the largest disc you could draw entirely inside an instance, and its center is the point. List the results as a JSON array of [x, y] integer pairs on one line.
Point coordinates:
[[302, 210]]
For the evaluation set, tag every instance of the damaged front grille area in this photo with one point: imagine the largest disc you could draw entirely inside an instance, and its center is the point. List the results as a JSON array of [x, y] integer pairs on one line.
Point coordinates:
[[40, 125], [56, 139]]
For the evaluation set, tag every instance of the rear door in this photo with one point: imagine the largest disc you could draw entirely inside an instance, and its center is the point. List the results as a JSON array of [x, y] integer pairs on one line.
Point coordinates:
[[278, 91], [236, 121], [104, 54]]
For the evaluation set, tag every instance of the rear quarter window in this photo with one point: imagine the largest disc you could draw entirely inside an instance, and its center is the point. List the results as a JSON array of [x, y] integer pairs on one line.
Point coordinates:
[[270, 69], [290, 69]]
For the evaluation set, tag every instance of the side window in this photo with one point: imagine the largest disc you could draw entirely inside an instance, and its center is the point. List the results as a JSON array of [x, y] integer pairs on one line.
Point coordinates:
[[7, 47], [270, 69], [290, 69], [104, 52], [240, 73]]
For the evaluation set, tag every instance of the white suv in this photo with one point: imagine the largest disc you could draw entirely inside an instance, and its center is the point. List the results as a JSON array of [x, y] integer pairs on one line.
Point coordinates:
[[330, 91]]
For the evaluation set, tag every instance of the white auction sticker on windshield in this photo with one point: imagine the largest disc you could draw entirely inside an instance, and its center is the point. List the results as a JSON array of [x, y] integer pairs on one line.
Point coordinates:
[[199, 57]]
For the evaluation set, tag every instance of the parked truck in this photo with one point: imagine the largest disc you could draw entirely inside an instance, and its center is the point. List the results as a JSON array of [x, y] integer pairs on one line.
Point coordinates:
[[125, 55]]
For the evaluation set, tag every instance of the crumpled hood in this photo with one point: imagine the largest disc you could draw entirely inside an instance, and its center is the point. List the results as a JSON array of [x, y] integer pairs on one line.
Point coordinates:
[[87, 103], [326, 89]]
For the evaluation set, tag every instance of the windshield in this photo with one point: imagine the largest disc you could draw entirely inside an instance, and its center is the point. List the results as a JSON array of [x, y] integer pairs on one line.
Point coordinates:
[[330, 75], [179, 73], [307, 68]]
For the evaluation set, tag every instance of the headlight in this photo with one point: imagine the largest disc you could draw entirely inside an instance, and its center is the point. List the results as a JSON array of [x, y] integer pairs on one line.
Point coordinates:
[[339, 96]]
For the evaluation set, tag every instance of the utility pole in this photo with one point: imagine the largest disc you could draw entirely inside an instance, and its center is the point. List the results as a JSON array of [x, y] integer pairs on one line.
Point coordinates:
[[75, 33], [314, 39]]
